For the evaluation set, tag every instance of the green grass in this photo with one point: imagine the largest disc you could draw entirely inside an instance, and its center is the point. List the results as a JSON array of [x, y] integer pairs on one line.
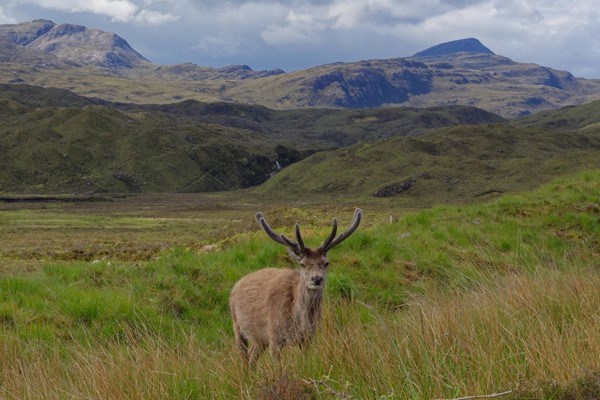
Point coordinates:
[[448, 165], [440, 303]]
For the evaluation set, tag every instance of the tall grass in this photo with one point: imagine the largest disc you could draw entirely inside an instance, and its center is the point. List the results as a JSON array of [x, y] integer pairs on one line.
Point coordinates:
[[502, 335], [445, 302]]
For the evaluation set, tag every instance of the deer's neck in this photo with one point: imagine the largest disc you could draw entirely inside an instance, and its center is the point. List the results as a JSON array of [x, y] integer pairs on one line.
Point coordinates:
[[307, 306]]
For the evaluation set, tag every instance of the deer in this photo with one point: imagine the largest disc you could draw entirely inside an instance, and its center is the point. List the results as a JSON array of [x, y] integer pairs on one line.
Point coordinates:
[[277, 307]]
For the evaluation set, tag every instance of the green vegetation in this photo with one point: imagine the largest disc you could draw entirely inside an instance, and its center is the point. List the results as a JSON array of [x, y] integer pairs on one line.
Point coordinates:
[[53, 141], [583, 118], [454, 164], [440, 303]]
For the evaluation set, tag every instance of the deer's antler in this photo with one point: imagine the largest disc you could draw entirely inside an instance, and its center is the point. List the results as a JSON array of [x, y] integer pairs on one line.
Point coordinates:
[[333, 241], [296, 247]]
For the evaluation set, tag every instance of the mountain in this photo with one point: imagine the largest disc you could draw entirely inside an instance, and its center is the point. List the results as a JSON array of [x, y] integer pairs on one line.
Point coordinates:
[[68, 45], [470, 45], [486, 81], [461, 72], [75, 44]]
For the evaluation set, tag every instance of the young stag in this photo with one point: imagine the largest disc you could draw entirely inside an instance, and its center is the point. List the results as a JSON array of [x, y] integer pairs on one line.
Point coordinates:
[[277, 307]]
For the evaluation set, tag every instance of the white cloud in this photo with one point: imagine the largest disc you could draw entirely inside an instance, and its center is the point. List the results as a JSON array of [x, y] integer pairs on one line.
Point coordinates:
[[154, 17], [117, 10], [298, 27], [5, 19], [223, 31]]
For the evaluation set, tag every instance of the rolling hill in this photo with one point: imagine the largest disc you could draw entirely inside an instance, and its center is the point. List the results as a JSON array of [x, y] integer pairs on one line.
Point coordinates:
[[54, 141], [452, 164]]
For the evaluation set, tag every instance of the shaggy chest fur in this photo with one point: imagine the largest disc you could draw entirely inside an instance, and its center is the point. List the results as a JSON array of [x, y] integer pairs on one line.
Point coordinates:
[[274, 306]]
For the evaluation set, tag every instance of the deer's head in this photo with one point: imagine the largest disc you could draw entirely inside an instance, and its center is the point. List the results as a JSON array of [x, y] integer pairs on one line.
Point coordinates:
[[313, 261]]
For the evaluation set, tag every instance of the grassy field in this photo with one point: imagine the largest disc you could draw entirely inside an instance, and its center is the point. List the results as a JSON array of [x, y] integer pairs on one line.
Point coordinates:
[[127, 299]]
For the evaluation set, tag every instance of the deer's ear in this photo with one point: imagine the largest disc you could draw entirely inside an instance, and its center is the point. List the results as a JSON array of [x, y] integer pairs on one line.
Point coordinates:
[[294, 256]]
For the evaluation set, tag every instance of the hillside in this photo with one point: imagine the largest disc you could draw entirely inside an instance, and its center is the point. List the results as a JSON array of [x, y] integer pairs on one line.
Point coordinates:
[[462, 72], [453, 164], [583, 118], [325, 128], [95, 148], [54, 141]]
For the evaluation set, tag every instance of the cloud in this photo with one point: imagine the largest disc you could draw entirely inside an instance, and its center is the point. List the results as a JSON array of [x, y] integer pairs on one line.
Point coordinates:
[[5, 19], [154, 17], [297, 27], [117, 10]]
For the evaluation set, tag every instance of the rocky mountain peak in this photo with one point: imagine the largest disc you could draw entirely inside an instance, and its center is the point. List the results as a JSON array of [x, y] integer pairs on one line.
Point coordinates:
[[72, 43], [469, 45]]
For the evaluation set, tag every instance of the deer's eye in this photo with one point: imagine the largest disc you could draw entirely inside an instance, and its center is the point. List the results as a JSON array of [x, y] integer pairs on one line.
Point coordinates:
[[326, 264], [302, 264]]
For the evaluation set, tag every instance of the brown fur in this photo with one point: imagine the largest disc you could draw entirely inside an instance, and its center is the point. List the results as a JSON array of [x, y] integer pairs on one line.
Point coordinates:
[[277, 307], [273, 307]]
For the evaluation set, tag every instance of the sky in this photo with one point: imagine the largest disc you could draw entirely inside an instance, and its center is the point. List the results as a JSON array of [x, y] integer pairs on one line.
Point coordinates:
[[298, 34]]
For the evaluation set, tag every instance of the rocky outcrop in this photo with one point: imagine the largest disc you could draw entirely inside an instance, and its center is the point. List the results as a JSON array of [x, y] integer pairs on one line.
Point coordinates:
[[25, 33]]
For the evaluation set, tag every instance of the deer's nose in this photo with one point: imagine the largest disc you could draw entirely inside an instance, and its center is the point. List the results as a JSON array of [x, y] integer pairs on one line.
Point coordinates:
[[317, 280]]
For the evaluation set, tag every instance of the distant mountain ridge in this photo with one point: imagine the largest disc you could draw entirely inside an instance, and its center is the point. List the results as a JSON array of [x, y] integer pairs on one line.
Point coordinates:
[[46, 43], [100, 64]]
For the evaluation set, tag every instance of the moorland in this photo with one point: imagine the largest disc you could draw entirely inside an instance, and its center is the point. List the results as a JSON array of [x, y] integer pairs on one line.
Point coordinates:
[[128, 298]]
